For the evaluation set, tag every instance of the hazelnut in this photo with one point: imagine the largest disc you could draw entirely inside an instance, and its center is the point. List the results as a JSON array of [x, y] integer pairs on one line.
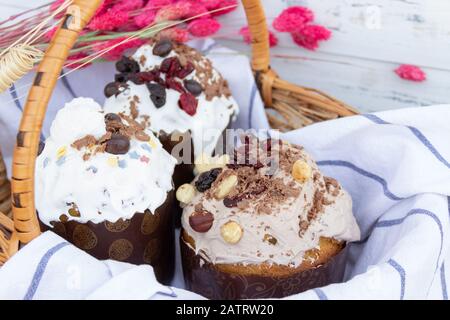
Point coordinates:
[[204, 162], [231, 232], [301, 171], [185, 193], [226, 186]]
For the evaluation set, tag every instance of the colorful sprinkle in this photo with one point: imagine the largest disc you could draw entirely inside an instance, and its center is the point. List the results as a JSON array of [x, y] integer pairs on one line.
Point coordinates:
[[146, 146], [46, 162], [134, 155], [61, 160], [144, 159], [93, 169], [152, 143], [113, 161], [61, 152], [122, 164]]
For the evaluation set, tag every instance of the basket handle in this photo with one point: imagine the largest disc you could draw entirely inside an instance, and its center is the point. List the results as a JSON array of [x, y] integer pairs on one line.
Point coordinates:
[[257, 25], [26, 224]]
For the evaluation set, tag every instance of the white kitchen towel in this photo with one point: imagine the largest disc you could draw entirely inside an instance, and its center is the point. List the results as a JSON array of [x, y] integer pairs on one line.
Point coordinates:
[[395, 165]]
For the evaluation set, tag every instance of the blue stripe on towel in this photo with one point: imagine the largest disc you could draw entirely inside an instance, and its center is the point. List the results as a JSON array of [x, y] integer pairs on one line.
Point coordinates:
[[341, 163], [393, 222], [251, 105], [321, 294], [402, 274], [419, 135], [40, 269], [443, 283]]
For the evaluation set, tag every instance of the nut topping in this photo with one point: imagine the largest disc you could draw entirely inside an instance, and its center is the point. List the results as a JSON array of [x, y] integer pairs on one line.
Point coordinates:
[[231, 232]]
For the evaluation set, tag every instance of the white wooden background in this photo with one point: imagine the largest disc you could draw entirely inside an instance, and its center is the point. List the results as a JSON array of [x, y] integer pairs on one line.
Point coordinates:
[[370, 38]]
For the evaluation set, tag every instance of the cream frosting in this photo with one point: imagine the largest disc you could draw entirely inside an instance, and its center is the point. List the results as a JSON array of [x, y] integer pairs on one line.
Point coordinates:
[[282, 221], [208, 123], [104, 187]]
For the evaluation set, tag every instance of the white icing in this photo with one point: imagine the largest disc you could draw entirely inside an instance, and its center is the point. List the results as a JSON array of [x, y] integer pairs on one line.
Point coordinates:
[[206, 126], [336, 221], [117, 186]]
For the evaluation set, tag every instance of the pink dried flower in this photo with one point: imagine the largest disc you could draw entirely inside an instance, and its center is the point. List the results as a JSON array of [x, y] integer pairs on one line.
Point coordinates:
[[411, 73], [108, 21], [218, 4], [203, 27], [73, 63], [50, 33], [157, 4], [117, 52], [175, 34], [181, 10], [128, 5], [293, 19], [310, 36], [145, 19], [245, 33]]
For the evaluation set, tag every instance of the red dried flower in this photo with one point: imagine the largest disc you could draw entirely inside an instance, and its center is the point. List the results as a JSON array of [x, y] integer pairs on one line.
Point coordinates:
[[203, 27], [218, 4], [310, 36], [175, 34], [181, 10], [293, 19], [73, 61], [117, 52], [128, 5], [108, 21], [411, 73], [245, 33]]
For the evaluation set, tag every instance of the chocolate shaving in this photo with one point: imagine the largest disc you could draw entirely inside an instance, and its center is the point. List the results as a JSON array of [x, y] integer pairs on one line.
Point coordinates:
[[84, 142]]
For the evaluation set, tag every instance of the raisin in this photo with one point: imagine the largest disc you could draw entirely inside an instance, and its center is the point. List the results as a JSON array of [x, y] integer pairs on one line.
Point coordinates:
[[157, 94], [111, 89], [118, 144], [121, 77], [112, 117], [127, 65], [193, 87], [206, 179], [162, 48], [188, 103]]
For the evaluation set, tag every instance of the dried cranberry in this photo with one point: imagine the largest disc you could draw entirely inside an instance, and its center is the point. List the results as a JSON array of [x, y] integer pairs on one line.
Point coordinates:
[[162, 48], [170, 66], [188, 103], [193, 87], [148, 76], [157, 94], [185, 71], [206, 179], [171, 83]]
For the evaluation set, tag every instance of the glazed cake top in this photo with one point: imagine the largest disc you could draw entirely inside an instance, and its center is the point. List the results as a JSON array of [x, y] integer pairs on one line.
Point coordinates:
[[273, 206], [178, 90], [100, 167]]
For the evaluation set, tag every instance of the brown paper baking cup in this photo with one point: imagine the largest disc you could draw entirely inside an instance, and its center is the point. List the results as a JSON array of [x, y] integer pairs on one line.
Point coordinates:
[[146, 238], [203, 278]]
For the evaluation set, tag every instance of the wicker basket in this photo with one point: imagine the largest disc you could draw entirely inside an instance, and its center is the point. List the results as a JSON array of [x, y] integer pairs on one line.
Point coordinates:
[[289, 106]]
